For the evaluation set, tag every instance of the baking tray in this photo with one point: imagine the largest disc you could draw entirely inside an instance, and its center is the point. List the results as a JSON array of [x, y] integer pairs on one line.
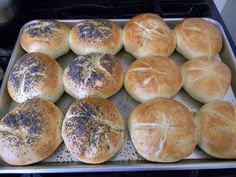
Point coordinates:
[[127, 158]]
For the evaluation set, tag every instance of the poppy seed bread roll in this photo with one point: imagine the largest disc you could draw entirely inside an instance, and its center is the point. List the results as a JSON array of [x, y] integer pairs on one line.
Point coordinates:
[[153, 77], [147, 35], [93, 130], [216, 122], [162, 130], [35, 75], [30, 132], [94, 74], [46, 36], [196, 38], [206, 79], [96, 36]]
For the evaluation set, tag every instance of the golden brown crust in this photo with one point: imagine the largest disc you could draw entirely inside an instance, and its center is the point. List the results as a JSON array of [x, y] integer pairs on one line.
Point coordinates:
[[206, 80], [93, 130], [96, 36], [94, 74], [147, 35], [46, 36], [216, 123], [30, 132], [162, 130], [153, 77], [197, 38], [35, 75]]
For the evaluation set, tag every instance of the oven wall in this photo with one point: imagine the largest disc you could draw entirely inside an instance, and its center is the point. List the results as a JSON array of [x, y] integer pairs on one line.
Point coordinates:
[[220, 4], [228, 14]]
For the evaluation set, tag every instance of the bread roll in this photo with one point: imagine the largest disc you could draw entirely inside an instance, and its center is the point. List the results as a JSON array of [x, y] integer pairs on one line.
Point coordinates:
[[153, 77], [93, 130], [96, 36], [197, 38], [30, 132], [206, 80], [35, 75], [94, 74], [216, 122], [147, 35], [46, 36], [162, 130]]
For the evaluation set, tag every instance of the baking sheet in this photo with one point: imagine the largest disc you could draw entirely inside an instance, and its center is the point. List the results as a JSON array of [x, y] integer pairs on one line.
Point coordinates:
[[127, 158]]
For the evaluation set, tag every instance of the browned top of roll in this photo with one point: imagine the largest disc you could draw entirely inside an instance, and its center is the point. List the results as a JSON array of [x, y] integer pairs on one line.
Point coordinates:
[[197, 37], [35, 75], [162, 130], [206, 79], [30, 132], [152, 78], [147, 35], [93, 75], [93, 130], [216, 122], [46, 36], [96, 36]]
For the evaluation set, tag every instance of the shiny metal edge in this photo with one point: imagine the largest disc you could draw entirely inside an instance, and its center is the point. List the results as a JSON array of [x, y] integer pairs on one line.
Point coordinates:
[[120, 166]]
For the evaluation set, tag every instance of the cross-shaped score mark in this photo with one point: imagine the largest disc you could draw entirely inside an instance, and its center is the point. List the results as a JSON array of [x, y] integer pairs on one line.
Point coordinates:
[[202, 32], [24, 71], [165, 126], [148, 32], [154, 74], [93, 66], [101, 125], [213, 114]]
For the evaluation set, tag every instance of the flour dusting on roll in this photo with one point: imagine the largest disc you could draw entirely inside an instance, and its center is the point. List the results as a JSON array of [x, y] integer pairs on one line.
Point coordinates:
[[96, 36], [30, 132], [46, 36]]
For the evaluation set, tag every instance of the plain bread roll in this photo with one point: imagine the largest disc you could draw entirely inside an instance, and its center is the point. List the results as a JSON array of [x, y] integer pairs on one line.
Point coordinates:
[[196, 37], [147, 35], [206, 79], [153, 77], [216, 122], [162, 130]]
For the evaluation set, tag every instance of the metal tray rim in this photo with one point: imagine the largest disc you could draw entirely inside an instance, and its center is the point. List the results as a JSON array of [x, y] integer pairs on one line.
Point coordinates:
[[118, 166]]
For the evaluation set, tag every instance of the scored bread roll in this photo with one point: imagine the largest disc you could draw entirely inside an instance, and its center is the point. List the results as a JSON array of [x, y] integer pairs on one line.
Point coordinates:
[[216, 122], [35, 75], [93, 130], [153, 77], [94, 74], [162, 130], [206, 79], [147, 35], [196, 37], [46, 36], [30, 132], [96, 36]]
